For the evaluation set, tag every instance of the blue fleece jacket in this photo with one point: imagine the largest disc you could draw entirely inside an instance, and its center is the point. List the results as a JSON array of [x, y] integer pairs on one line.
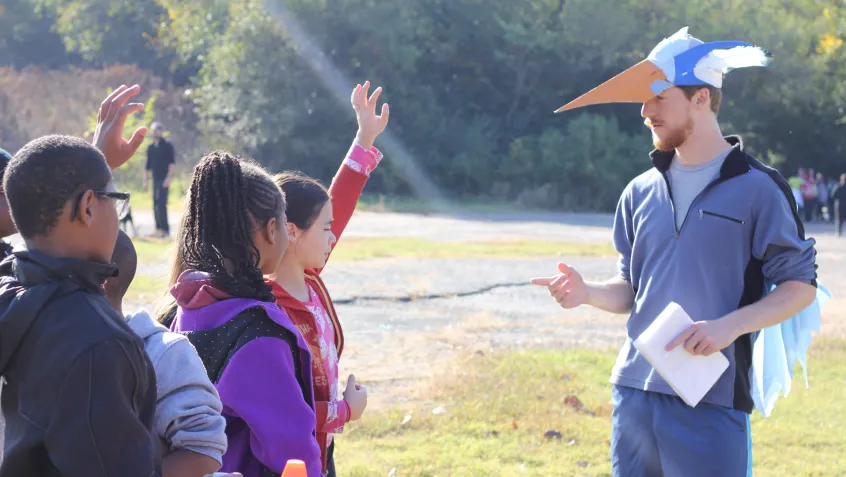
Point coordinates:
[[741, 235]]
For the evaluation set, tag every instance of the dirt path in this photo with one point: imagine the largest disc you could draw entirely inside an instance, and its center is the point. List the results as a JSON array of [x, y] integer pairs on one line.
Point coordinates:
[[419, 313]]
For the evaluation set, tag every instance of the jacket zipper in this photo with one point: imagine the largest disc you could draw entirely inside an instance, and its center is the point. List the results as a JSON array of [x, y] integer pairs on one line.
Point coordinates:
[[713, 183], [703, 213], [672, 203]]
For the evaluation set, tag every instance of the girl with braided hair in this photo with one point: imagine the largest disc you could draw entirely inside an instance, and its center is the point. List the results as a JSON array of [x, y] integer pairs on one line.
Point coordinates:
[[233, 233], [316, 218]]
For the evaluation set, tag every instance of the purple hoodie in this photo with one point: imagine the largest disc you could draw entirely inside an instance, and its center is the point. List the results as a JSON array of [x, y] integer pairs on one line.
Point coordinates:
[[268, 421]]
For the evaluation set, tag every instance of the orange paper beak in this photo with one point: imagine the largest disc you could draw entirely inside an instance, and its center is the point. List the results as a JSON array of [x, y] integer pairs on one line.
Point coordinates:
[[630, 86]]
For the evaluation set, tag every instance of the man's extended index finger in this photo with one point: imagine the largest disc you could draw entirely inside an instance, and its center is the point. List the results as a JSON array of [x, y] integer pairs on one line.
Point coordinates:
[[542, 281]]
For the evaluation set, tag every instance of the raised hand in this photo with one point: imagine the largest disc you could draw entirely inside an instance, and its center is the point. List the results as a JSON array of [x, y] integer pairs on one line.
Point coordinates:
[[568, 288], [108, 137], [370, 125]]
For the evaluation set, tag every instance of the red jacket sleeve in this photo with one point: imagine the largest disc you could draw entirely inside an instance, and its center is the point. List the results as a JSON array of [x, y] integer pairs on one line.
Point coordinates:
[[348, 184], [331, 415]]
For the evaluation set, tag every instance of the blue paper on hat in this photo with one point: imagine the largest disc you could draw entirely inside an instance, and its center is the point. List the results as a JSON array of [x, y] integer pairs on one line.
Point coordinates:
[[679, 60]]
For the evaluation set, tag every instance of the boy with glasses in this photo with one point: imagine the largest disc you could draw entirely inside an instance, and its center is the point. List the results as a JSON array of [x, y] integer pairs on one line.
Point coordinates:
[[80, 390]]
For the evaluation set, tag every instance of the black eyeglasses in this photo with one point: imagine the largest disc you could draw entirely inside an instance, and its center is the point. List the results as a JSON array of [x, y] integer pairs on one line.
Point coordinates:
[[121, 200]]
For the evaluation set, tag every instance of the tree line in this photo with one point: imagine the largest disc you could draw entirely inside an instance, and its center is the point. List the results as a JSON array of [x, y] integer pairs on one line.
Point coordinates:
[[472, 83]]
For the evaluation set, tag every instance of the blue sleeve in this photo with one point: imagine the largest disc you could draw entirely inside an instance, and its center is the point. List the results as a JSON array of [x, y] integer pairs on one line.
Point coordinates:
[[624, 235], [776, 240]]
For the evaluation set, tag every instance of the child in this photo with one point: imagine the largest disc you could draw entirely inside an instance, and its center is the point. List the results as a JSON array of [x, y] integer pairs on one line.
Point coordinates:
[[232, 234], [165, 311], [80, 391], [314, 222], [187, 420], [7, 227]]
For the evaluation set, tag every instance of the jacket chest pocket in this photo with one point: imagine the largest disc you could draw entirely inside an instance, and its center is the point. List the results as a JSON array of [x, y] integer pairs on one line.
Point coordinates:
[[718, 229], [704, 213]]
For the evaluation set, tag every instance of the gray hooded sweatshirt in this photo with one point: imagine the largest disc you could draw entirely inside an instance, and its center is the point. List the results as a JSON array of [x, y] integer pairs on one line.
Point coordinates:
[[188, 406]]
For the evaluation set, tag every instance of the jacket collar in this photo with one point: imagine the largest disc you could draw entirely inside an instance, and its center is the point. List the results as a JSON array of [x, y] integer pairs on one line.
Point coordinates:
[[285, 299], [32, 267], [736, 162]]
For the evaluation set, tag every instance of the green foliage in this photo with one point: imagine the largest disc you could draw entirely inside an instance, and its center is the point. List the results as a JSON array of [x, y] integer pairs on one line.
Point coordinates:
[[105, 32], [472, 83], [26, 39], [584, 167]]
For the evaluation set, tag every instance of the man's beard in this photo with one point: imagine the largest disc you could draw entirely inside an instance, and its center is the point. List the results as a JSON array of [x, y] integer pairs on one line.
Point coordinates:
[[673, 139]]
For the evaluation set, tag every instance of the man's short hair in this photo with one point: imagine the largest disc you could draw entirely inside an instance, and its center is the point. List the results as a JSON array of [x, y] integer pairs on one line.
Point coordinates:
[[126, 260], [47, 173], [716, 95]]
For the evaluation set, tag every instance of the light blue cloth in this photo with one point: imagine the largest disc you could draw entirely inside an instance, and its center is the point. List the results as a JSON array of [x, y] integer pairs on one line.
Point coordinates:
[[778, 348]]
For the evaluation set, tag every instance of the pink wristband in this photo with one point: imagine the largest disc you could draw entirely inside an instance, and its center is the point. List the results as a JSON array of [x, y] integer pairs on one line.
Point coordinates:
[[361, 160]]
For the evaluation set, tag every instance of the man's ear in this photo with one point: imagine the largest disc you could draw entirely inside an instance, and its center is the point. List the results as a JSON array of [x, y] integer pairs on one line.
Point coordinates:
[[703, 98]]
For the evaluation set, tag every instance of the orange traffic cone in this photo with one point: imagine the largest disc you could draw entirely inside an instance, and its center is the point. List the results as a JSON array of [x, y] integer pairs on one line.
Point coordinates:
[[295, 468]]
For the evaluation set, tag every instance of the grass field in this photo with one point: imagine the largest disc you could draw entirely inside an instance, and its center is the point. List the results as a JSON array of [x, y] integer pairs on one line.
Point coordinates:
[[143, 200], [151, 250], [546, 413], [349, 249]]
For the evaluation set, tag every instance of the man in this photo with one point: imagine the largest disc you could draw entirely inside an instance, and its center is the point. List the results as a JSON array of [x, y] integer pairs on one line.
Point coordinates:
[[160, 163], [710, 228], [839, 213]]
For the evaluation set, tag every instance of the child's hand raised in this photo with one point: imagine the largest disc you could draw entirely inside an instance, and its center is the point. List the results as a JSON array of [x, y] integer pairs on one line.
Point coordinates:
[[108, 137], [369, 124], [356, 397]]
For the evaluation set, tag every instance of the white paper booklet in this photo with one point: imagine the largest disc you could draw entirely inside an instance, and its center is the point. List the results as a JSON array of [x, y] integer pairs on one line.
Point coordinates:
[[690, 376]]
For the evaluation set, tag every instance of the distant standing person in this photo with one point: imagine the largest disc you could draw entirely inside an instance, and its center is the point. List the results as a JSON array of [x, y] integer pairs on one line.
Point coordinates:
[[839, 195], [823, 193], [160, 162]]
